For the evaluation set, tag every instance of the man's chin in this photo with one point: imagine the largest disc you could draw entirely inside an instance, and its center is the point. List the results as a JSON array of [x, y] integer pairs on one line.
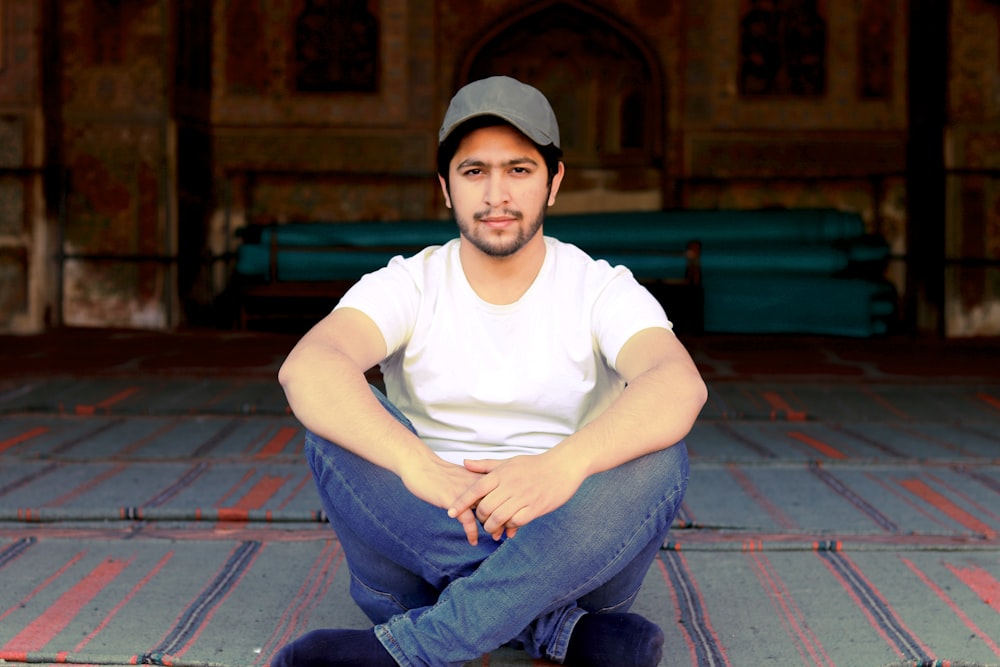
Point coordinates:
[[497, 249], [498, 242]]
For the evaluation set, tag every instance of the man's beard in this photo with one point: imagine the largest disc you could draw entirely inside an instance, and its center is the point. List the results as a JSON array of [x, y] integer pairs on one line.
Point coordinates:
[[499, 245]]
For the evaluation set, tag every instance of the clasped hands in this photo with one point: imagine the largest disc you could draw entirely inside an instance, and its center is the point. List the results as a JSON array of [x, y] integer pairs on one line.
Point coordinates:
[[501, 494]]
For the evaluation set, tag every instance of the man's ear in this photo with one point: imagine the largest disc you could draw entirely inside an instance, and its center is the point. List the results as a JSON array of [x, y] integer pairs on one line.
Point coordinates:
[[444, 191], [556, 181]]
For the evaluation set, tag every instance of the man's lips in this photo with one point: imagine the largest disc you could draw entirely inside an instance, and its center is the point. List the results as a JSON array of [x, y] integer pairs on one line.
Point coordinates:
[[498, 220], [498, 223]]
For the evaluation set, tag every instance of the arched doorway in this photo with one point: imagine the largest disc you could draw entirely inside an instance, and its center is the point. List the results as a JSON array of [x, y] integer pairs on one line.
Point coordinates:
[[605, 84]]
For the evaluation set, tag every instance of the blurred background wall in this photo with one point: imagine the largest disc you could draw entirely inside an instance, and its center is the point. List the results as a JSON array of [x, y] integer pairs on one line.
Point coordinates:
[[138, 136]]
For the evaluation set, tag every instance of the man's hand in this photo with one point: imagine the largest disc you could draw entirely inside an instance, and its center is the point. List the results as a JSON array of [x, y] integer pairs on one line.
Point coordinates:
[[438, 482], [512, 492]]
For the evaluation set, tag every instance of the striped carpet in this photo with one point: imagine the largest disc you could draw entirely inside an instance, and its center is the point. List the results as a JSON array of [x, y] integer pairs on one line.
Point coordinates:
[[843, 519]]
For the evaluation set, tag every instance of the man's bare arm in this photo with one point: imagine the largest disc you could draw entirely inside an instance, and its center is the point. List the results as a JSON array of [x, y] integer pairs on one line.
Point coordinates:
[[324, 382], [664, 395]]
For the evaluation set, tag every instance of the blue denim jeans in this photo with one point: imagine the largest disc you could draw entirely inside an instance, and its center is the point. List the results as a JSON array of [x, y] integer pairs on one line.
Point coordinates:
[[437, 601]]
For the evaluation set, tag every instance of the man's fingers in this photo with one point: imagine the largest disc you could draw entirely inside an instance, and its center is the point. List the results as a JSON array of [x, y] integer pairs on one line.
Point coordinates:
[[481, 466], [470, 525], [470, 497], [495, 522]]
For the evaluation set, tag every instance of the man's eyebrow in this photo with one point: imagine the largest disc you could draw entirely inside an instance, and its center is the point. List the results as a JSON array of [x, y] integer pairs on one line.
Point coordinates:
[[513, 162]]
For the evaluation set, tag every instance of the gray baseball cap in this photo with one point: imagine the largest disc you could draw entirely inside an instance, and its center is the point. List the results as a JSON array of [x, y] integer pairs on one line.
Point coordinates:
[[519, 104]]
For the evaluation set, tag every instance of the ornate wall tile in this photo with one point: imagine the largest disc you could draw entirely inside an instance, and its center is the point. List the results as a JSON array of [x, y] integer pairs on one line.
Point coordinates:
[[747, 94], [336, 47], [783, 49], [283, 75]]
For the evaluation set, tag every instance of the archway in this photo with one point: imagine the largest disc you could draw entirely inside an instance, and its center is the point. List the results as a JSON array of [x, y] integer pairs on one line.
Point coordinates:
[[604, 83]]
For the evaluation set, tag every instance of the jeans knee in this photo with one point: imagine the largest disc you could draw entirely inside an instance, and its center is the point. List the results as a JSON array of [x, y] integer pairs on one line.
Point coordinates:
[[618, 605], [380, 605]]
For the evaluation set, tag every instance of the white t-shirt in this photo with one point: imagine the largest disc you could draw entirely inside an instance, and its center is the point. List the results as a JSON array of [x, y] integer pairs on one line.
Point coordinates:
[[480, 380]]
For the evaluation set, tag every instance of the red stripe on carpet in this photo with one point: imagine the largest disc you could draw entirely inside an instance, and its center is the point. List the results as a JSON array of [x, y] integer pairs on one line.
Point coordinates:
[[981, 582], [61, 613], [989, 398], [10, 443], [977, 508], [91, 483], [246, 478], [780, 405], [754, 493], [940, 442], [106, 404], [821, 447], [135, 446], [792, 618], [689, 601], [976, 631], [920, 508], [229, 388], [304, 483], [880, 614], [277, 444], [42, 586], [261, 492], [920, 489], [258, 496], [125, 600], [882, 401], [294, 619]]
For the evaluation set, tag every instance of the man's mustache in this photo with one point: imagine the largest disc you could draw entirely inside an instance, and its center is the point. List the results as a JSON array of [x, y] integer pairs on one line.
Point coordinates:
[[507, 211]]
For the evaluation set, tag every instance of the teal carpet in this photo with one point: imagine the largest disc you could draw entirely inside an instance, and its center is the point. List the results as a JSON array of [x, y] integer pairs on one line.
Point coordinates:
[[157, 514]]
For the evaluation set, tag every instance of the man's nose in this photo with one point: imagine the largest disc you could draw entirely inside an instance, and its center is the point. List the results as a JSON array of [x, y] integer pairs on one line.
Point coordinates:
[[496, 190]]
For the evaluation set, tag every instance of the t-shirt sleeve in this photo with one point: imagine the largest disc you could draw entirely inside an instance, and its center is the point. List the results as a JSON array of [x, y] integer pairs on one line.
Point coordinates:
[[621, 310], [390, 297]]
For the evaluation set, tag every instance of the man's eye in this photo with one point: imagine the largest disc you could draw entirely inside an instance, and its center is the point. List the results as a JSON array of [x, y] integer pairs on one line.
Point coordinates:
[[473, 172]]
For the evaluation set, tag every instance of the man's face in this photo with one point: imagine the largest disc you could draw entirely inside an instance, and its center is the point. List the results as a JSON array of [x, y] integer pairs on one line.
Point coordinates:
[[499, 189]]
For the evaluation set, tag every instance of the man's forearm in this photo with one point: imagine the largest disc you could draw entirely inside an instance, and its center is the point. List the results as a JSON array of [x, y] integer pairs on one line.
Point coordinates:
[[656, 410], [330, 396]]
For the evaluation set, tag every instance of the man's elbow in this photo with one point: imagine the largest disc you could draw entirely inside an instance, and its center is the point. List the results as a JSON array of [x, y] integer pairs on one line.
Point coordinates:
[[289, 370], [700, 392], [693, 397]]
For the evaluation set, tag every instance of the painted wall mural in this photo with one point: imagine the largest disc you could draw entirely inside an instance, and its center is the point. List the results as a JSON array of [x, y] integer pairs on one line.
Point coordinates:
[[783, 48], [336, 47], [114, 145]]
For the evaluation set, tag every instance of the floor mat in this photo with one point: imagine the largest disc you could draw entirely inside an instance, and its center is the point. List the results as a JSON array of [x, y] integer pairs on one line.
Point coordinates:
[[164, 519]]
